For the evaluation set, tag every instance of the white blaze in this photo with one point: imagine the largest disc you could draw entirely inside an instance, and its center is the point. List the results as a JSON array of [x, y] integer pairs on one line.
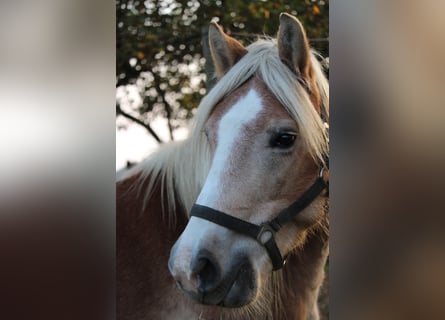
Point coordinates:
[[199, 231], [230, 128]]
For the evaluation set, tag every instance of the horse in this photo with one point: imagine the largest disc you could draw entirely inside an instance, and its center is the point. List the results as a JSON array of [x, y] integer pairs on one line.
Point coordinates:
[[232, 222]]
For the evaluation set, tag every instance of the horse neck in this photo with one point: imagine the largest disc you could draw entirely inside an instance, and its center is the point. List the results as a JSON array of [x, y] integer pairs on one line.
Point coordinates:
[[297, 285], [144, 239]]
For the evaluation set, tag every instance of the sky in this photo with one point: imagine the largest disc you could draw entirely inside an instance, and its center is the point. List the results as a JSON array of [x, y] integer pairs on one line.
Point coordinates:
[[134, 143]]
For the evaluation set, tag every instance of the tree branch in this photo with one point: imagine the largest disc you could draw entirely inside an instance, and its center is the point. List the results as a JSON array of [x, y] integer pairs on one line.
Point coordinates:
[[167, 106], [121, 112]]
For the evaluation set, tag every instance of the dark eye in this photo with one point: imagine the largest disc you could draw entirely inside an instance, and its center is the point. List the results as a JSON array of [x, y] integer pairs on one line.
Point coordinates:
[[283, 140]]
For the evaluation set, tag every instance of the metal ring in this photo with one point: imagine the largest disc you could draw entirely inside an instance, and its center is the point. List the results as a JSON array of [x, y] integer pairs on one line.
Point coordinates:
[[321, 172], [265, 228]]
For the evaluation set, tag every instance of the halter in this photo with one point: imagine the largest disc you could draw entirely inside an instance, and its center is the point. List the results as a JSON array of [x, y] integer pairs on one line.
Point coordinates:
[[265, 233]]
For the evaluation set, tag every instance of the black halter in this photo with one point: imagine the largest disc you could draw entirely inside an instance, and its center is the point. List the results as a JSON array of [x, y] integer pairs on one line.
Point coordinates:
[[265, 233]]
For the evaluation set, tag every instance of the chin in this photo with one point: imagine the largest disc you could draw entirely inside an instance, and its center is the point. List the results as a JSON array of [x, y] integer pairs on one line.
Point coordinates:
[[242, 293], [237, 289]]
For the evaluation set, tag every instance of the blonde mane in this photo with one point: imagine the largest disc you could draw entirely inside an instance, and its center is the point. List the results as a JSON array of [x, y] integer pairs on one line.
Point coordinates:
[[182, 167]]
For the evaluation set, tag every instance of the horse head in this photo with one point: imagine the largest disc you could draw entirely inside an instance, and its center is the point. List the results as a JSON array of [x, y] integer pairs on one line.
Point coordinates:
[[267, 142]]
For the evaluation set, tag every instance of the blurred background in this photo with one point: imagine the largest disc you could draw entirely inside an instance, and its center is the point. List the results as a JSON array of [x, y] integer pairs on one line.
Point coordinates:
[[58, 129], [387, 258], [57, 159], [163, 60]]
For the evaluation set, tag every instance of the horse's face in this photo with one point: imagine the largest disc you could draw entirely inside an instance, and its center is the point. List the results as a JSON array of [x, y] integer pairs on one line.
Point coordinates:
[[259, 167]]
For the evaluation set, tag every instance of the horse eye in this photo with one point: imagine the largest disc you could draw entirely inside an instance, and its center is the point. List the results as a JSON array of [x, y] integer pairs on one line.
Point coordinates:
[[283, 140]]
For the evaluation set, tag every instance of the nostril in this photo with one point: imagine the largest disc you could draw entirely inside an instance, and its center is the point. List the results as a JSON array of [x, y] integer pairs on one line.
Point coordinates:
[[207, 270], [198, 265], [208, 275]]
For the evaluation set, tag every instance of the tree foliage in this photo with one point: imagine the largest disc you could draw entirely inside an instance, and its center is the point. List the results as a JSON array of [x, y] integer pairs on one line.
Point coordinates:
[[160, 57]]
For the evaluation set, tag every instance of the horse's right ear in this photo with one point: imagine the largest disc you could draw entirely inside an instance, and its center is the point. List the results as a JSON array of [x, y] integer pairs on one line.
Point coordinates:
[[293, 45], [225, 50]]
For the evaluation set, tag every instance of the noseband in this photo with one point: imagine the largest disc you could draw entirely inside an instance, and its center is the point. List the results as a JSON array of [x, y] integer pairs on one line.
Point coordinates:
[[265, 233]]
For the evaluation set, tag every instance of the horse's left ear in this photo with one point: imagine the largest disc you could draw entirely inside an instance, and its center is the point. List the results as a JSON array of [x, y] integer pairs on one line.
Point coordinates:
[[293, 45], [225, 50]]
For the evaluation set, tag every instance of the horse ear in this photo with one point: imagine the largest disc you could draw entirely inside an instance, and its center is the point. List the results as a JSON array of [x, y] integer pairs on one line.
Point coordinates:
[[225, 50], [293, 45]]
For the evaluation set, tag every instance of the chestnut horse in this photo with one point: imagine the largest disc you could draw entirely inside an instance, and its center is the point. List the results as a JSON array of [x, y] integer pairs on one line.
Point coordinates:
[[205, 225]]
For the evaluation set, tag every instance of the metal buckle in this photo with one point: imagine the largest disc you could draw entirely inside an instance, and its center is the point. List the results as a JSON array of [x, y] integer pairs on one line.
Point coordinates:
[[266, 233]]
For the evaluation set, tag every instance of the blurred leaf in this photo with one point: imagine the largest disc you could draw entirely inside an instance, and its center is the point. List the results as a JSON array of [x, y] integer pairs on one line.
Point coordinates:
[[316, 10], [140, 55]]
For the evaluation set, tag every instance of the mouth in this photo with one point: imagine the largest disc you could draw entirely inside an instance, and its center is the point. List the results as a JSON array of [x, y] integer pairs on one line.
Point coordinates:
[[237, 289]]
